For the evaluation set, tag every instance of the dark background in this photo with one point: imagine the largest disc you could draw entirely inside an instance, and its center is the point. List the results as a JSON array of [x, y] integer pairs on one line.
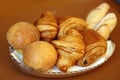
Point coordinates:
[[12, 11]]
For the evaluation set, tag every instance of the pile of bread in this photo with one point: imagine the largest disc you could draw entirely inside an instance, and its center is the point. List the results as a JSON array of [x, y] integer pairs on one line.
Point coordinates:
[[63, 42]]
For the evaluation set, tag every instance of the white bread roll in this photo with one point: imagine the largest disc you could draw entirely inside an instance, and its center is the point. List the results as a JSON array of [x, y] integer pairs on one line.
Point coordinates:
[[96, 15], [106, 25]]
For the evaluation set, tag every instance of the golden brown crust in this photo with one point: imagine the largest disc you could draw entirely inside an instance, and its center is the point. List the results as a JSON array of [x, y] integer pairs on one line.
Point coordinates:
[[95, 47], [69, 43], [47, 25], [72, 22], [70, 48], [21, 34], [40, 55], [47, 18]]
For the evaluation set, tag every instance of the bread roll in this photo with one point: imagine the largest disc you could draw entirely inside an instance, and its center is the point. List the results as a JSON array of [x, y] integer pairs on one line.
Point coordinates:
[[40, 55], [96, 15], [22, 34], [107, 25], [104, 31]]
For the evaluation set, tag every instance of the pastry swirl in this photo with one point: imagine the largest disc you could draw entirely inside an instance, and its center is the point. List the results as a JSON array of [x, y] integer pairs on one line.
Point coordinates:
[[72, 22]]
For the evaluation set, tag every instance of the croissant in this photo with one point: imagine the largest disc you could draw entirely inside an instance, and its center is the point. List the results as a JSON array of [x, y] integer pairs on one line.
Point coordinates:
[[95, 47], [72, 22], [47, 25], [96, 15], [70, 48]]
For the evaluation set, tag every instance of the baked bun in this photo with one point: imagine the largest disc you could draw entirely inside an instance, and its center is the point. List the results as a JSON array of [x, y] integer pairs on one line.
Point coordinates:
[[107, 25], [40, 55], [96, 15], [21, 34]]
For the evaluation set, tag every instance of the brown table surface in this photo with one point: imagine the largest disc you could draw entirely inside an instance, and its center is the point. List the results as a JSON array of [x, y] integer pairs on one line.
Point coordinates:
[[12, 11]]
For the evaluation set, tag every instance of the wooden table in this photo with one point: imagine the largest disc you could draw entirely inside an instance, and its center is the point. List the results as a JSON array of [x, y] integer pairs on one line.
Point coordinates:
[[12, 11]]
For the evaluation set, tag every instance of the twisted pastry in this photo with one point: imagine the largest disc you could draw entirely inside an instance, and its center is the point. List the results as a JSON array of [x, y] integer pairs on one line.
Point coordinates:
[[95, 47], [70, 48], [72, 22], [47, 25]]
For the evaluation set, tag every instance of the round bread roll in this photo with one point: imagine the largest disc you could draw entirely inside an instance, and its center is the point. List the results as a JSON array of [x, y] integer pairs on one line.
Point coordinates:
[[21, 34], [40, 55]]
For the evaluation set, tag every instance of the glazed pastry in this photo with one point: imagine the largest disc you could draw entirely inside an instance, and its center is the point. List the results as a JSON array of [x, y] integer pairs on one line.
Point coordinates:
[[106, 25], [22, 34], [40, 55], [70, 48], [96, 15], [47, 25], [72, 22], [95, 47]]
